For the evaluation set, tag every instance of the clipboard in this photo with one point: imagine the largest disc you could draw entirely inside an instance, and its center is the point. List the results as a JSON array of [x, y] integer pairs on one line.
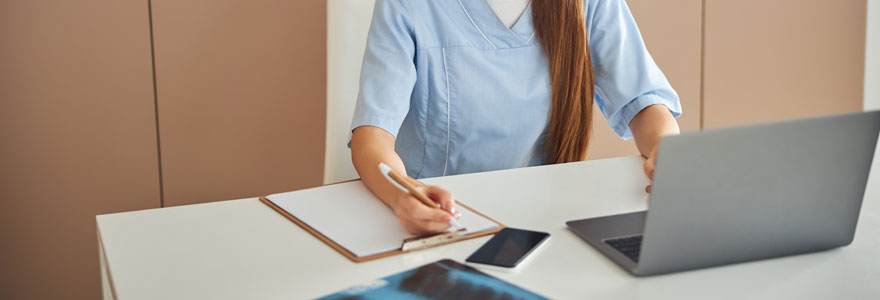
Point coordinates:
[[415, 243]]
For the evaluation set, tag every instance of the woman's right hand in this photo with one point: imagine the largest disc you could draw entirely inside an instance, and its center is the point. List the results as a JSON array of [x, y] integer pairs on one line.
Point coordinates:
[[419, 219], [372, 145]]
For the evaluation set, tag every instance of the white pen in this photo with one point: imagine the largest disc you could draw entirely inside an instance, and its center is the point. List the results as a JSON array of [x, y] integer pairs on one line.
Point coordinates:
[[403, 184]]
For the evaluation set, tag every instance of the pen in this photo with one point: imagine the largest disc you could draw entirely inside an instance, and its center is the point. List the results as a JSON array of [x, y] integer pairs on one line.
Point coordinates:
[[405, 185]]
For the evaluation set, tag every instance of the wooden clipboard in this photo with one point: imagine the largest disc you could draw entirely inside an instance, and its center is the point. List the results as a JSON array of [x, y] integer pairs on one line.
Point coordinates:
[[357, 259]]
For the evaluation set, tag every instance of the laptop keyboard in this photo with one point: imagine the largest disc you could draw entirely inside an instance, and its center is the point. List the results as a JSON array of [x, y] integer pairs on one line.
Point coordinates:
[[628, 245]]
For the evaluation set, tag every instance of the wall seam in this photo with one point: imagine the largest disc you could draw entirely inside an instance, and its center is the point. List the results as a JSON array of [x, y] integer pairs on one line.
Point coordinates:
[[156, 104], [703, 65]]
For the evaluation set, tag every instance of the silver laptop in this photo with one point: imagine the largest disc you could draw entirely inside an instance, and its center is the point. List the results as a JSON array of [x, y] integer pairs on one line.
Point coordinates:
[[746, 193]]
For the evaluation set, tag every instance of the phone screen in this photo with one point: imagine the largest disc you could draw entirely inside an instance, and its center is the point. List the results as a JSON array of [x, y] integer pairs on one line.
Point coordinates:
[[508, 247]]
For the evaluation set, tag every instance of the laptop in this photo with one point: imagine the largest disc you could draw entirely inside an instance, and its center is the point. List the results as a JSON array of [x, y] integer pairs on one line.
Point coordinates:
[[746, 193]]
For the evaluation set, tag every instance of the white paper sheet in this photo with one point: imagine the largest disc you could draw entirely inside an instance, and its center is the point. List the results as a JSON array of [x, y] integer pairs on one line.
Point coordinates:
[[354, 218]]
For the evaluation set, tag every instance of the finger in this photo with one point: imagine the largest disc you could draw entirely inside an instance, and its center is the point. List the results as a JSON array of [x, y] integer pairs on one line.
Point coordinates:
[[441, 196], [648, 189], [436, 226], [424, 213], [649, 168], [419, 228], [427, 225], [418, 219], [417, 212]]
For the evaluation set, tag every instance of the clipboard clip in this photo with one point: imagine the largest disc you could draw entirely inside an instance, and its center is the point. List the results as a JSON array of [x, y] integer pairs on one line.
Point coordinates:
[[427, 241]]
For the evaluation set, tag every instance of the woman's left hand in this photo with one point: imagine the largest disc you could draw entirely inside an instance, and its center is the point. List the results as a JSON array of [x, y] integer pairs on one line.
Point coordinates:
[[648, 127], [649, 168]]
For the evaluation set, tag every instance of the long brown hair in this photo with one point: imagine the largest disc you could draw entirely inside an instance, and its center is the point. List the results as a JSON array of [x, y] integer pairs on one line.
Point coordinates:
[[561, 29]]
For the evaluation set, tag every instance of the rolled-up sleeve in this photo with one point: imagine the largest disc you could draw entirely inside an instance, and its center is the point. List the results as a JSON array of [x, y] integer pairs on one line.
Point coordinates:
[[388, 73], [626, 76]]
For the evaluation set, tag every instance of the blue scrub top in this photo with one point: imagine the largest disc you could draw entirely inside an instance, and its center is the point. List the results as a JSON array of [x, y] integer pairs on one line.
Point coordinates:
[[463, 93]]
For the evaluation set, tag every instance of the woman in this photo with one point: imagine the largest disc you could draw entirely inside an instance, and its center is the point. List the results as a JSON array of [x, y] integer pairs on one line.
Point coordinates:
[[448, 88]]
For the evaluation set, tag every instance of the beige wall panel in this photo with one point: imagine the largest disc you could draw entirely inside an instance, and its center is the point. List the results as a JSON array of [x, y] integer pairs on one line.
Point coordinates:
[[77, 138], [783, 59], [241, 94], [672, 31]]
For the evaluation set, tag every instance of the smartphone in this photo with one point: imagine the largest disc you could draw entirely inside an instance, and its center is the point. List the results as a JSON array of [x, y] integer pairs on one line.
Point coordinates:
[[508, 247]]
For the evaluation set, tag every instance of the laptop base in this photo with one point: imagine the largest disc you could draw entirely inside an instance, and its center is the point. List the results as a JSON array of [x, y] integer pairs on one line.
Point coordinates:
[[596, 230]]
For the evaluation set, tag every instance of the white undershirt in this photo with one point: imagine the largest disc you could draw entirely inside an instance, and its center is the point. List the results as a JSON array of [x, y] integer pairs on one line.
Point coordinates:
[[508, 11]]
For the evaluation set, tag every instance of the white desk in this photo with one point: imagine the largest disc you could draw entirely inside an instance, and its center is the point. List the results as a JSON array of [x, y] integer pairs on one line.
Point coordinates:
[[242, 249]]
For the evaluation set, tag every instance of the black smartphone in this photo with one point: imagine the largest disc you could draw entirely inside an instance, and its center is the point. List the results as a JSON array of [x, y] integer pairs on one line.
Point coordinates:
[[508, 247]]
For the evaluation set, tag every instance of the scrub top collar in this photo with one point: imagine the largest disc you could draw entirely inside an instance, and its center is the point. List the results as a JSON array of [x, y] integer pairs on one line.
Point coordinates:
[[493, 30]]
